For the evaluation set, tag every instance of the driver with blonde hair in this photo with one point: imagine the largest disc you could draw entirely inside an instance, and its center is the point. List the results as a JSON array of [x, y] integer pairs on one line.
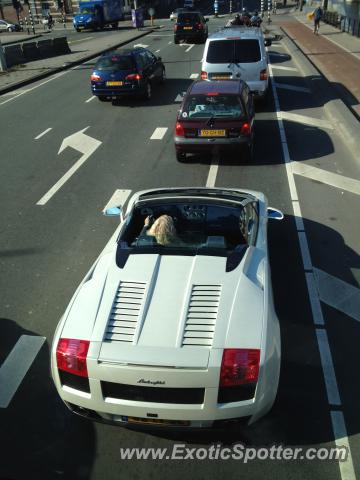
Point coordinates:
[[163, 229]]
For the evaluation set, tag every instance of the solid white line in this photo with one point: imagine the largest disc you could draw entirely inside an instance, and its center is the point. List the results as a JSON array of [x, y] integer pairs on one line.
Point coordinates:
[[286, 86], [338, 294], [329, 178], [328, 368], [298, 217], [117, 199], [188, 49], [43, 133], [159, 133], [305, 253], [281, 67], [36, 86], [213, 170], [16, 365], [347, 471], [90, 99], [306, 120], [157, 51], [314, 299], [194, 76], [169, 43], [81, 40]]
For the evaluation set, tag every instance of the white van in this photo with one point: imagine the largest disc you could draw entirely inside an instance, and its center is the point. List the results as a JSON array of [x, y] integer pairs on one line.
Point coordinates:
[[237, 53]]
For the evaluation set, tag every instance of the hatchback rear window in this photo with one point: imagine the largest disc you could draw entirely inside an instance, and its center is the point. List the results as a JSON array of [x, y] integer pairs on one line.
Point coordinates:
[[188, 17], [234, 51], [115, 63], [216, 106]]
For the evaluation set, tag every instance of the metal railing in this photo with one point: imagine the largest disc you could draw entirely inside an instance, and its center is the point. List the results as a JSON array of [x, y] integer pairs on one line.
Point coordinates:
[[343, 23]]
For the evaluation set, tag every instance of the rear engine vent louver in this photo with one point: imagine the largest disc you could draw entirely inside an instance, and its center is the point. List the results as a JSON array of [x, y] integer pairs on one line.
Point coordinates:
[[201, 315], [125, 312]]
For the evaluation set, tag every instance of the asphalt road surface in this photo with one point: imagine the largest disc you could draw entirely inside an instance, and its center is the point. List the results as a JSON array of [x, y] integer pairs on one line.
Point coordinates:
[[48, 242]]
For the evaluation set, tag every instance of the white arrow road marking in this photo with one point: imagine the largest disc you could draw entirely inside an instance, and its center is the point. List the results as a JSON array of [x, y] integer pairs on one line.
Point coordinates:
[[295, 117], [286, 86], [193, 76], [159, 133], [140, 45], [83, 144], [281, 67], [338, 294], [179, 98], [188, 49], [43, 133], [16, 365], [329, 178], [118, 199]]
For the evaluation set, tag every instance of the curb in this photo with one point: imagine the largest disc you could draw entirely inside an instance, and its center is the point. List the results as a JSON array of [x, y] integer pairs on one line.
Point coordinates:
[[70, 65], [336, 109]]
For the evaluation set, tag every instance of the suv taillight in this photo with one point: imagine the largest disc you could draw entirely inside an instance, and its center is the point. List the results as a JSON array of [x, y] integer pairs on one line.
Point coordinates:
[[204, 75], [239, 366], [263, 74], [199, 26], [246, 128], [133, 76], [179, 130], [71, 356], [95, 77]]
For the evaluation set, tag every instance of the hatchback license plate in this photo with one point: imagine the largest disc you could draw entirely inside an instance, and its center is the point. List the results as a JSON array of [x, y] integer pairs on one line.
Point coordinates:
[[212, 133], [187, 28], [114, 84]]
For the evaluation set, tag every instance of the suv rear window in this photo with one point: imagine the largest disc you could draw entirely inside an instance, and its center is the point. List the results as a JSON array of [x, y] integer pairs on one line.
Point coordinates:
[[115, 62], [216, 106], [188, 17], [234, 51]]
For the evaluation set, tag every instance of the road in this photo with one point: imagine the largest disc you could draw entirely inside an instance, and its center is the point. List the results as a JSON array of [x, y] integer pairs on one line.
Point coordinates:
[[47, 246]]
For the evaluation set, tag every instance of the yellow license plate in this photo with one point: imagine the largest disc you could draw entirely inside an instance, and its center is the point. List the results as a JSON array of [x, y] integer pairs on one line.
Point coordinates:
[[114, 84], [212, 133], [157, 421], [187, 28]]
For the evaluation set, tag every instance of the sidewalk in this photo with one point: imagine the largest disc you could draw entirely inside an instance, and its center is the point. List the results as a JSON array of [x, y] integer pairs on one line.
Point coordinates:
[[336, 54], [21, 75]]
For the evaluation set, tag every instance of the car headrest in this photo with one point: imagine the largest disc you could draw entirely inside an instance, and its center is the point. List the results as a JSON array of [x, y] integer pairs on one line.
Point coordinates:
[[146, 241]]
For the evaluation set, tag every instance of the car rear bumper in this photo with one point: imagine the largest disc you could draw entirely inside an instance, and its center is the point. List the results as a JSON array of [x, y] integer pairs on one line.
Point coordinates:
[[184, 35], [192, 145], [118, 92]]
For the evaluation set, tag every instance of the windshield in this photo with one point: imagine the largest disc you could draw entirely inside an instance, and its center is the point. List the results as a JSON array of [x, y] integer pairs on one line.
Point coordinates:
[[234, 51], [86, 10], [215, 106], [190, 228]]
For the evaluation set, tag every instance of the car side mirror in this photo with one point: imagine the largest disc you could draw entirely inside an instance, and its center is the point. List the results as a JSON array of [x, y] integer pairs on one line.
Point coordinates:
[[274, 214], [159, 59], [113, 211], [268, 42]]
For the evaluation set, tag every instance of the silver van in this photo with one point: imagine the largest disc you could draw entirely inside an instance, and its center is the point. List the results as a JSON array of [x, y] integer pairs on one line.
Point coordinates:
[[237, 53]]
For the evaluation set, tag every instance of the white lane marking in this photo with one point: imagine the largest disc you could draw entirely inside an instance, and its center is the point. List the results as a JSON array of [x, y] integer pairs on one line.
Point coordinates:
[[117, 199], [298, 216], [329, 178], [16, 365], [286, 86], [179, 98], [328, 367], [81, 40], [281, 67], [43, 133], [159, 133], [193, 76], [213, 170], [16, 92], [338, 294], [306, 120], [83, 144], [346, 468], [140, 45], [188, 49], [169, 43], [347, 471], [90, 99], [305, 253], [314, 300], [160, 35], [157, 51], [36, 86]]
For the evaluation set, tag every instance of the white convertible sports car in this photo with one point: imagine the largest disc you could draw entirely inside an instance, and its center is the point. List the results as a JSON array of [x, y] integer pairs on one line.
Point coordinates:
[[178, 329]]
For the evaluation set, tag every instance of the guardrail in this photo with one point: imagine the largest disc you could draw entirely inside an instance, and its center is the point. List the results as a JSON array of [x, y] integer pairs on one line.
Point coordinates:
[[342, 22]]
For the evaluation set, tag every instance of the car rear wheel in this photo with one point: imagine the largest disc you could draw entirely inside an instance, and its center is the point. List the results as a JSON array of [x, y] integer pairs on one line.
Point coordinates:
[[102, 98], [180, 156], [163, 76], [176, 40]]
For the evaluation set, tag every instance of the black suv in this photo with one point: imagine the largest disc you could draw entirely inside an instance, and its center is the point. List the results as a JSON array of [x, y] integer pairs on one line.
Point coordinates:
[[190, 25]]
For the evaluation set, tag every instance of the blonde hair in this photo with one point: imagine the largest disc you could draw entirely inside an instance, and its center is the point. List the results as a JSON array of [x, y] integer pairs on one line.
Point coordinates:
[[163, 229]]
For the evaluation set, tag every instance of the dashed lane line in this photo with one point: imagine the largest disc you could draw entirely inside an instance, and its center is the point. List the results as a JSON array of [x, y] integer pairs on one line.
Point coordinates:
[[159, 133], [90, 99], [16, 365], [188, 49], [81, 40], [43, 133]]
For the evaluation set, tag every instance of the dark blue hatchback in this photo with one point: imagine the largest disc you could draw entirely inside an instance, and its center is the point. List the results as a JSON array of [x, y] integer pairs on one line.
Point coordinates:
[[126, 72]]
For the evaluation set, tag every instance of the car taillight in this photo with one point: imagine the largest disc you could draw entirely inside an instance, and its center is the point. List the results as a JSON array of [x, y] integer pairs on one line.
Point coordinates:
[[246, 128], [239, 366], [71, 356], [199, 26], [179, 130], [133, 76], [95, 77], [263, 74], [203, 75]]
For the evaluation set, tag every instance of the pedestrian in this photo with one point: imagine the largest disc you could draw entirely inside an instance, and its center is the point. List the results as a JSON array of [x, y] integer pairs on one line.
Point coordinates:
[[318, 13]]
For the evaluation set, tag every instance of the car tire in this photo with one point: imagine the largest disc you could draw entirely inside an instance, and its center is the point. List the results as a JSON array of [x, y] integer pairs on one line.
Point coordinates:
[[78, 29], [148, 91], [176, 41], [102, 98], [163, 77], [9, 29], [180, 156]]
